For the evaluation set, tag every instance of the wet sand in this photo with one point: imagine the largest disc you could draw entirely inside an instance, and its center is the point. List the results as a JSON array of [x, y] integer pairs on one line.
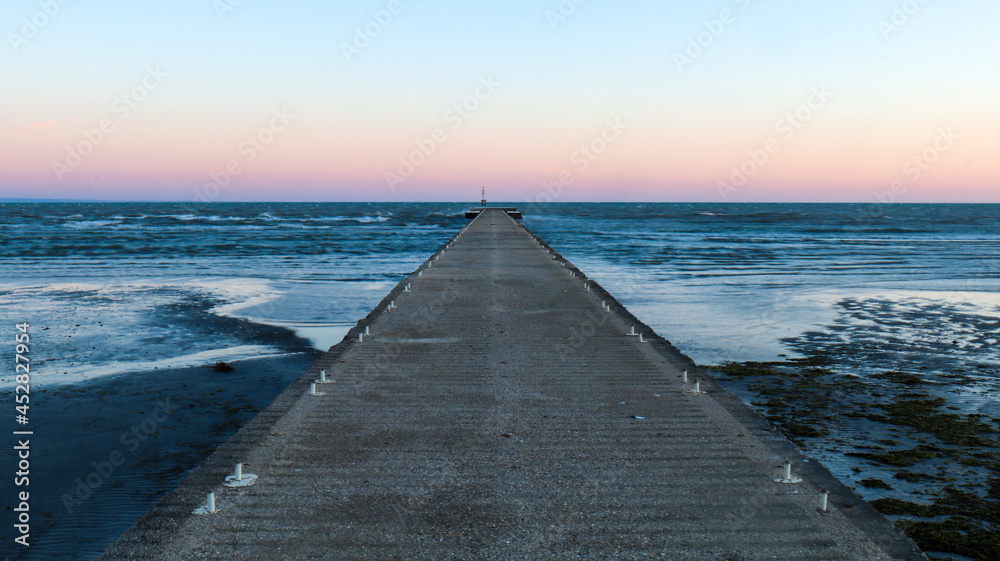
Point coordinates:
[[105, 451]]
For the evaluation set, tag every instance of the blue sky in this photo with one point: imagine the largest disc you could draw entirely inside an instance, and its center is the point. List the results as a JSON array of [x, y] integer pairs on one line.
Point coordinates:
[[688, 126]]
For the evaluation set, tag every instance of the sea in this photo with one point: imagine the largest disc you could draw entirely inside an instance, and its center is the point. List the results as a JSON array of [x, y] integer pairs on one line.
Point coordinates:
[[109, 288]]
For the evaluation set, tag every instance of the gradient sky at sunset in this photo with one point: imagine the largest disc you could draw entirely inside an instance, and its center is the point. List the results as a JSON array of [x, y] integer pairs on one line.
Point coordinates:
[[737, 100]]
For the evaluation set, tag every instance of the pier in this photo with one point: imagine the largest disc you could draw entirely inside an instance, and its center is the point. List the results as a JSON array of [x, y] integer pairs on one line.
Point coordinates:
[[499, 404]]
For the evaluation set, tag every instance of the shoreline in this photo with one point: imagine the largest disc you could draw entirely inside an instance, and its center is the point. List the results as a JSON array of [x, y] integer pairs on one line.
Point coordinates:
[[108, 449]]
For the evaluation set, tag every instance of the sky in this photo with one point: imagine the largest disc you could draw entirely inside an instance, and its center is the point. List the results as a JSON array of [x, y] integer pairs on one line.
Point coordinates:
[[544, 100]]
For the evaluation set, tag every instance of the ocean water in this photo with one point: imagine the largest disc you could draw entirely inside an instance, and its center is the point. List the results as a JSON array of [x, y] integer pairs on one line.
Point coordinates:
[[115, 289], [109, 288], [722, 282]]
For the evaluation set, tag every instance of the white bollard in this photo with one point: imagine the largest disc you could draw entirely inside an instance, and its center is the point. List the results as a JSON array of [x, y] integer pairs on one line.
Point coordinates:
[[322, 376], [420, 274], [240, 479], [685, 376], [824, 499], [697, 386], [788, 475], [208, 507], [633, 333], [641, 340], [361, 337], [312, 388], [367, 331]]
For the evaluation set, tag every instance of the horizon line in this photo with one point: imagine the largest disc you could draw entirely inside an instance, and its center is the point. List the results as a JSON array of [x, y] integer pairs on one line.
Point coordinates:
[[473, 202]]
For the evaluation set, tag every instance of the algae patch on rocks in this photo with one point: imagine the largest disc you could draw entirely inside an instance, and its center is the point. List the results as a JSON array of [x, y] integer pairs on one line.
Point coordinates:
[[891, 425], [965, 523]]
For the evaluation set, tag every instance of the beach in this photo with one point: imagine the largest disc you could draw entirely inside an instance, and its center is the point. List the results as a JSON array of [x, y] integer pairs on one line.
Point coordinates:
[[107, 449]]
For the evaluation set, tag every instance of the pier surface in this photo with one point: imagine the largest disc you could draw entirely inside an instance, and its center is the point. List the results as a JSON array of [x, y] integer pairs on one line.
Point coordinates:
[[500, 411]]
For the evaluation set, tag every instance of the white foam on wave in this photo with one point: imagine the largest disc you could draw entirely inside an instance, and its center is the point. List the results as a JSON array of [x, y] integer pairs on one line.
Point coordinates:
[[42, 375], [90, 224], [365, 219]]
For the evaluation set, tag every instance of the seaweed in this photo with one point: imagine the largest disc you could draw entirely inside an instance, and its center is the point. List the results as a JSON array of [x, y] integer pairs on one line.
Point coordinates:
[[950, 428], [955, 535], [223, 367], [994, 489], [744, 369], [875, 483], [914, 477], [989, 460], [805, 398], [793, 429], [899, 458], [954, 502], [902, 378], [815, 359]]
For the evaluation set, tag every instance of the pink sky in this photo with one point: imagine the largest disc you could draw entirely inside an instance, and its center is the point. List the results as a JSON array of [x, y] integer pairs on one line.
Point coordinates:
[[842, 109]]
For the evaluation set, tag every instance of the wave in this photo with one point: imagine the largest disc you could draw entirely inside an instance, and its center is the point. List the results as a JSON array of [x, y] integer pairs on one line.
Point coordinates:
[[366, 219], [460, 213], [211, 218], [370, 219], [90, 224], [258, 217]]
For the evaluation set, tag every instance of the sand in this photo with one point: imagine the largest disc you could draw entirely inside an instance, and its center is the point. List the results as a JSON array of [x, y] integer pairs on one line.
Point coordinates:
[[105, 451]]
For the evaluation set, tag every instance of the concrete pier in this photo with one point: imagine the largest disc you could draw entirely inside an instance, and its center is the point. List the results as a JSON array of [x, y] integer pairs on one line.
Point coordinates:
[[502, 409]]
